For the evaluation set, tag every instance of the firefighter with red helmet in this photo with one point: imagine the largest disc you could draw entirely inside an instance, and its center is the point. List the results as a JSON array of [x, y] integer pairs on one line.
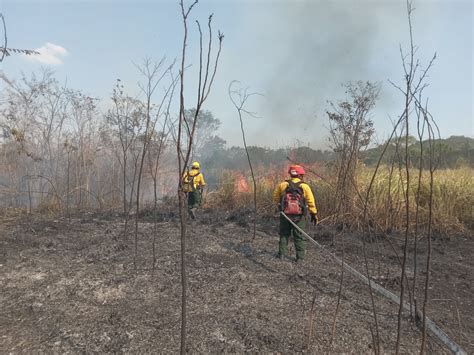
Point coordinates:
[[295, 199]]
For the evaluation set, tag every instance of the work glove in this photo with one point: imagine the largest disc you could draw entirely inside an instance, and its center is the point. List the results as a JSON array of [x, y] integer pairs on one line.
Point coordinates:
[[314, 219]]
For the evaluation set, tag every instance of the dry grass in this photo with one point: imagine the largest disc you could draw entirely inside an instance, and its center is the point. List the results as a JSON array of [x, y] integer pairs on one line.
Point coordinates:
[[453, 197]]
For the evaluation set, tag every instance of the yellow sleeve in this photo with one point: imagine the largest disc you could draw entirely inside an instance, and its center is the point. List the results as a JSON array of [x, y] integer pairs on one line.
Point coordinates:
[[200, 180], [308, 195], [278, 191]]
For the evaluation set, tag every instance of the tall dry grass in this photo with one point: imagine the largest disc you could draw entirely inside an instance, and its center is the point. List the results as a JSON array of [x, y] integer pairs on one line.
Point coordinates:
[[453, 199], [452, 209]]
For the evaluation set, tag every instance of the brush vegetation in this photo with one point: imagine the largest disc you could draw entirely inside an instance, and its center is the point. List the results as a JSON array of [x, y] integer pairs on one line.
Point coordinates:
[[453, 197]]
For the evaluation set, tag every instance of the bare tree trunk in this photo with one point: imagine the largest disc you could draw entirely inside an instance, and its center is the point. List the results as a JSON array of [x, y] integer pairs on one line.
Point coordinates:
[[181, 197], [67, 184], [412, 89], [432, 168], [417, 213], [30, 203], [407, 204], [204, 86], [150, 73], [154, 168], [239, 103]]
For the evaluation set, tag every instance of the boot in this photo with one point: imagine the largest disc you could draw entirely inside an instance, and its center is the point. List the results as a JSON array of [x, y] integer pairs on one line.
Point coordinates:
[[300, 261], [280, 256]]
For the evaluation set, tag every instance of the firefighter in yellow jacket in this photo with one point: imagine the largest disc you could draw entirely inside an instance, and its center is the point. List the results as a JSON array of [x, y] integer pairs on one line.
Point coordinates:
[[294, 198], [193, 184]]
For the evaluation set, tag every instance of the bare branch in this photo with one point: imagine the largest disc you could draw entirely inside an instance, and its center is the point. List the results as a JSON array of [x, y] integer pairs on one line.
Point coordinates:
[[5, 38], [239, 104]]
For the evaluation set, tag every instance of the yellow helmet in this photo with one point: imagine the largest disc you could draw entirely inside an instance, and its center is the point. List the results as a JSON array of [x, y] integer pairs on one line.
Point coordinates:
[[195, 165]]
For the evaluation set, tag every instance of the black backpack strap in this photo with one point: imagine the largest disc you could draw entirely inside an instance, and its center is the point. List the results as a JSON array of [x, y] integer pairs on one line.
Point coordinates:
[[299, 188], [291, 185], [294, 186]]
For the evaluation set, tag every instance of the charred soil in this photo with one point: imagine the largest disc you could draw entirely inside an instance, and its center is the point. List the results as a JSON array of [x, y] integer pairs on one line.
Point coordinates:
[[69, 285]]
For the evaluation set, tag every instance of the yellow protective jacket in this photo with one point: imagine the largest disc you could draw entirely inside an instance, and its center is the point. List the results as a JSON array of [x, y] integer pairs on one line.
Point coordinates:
[[198, 180], [308, 194]]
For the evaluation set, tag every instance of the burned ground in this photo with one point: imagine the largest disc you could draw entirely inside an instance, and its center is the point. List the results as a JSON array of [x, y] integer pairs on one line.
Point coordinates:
[[71, 286]]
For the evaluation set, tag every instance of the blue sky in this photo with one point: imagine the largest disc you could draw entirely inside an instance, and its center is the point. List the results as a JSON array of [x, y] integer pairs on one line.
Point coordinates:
[[296, 53]]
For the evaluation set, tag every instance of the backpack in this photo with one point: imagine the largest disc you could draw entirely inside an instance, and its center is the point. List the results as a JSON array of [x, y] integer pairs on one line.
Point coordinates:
[[293, 202], [188, 183]]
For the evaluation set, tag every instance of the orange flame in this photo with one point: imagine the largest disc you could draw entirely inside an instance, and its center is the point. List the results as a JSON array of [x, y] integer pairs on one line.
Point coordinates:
[[241, 184]]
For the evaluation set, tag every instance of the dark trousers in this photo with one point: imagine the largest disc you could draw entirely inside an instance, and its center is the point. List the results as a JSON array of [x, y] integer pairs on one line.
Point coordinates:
[[194, 199], [286, 228]]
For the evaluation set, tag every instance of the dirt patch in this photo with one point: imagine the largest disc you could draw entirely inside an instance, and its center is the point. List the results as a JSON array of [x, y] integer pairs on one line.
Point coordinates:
[[71, 286]]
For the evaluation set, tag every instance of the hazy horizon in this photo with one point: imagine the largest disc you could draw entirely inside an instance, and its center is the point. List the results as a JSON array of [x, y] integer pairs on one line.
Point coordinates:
[[297, 54]]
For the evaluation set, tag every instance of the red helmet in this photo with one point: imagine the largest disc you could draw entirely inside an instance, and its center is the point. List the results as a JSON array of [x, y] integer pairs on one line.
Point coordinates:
[[296, 170]]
